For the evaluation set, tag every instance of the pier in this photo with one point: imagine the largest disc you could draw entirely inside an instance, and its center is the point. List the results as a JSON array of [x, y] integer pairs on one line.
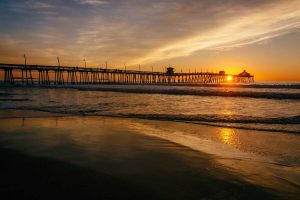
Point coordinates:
[[63, 75]]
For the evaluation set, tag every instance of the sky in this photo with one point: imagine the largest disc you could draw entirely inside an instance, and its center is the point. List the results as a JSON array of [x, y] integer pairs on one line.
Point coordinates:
[[260, 36]]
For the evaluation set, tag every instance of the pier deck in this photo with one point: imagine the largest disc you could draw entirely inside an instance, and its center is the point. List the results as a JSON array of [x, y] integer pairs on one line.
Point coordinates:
[[48, 75]]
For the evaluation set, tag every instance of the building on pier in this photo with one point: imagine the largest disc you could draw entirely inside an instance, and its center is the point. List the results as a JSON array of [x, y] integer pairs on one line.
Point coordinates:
[[244, 77], [170, 71]]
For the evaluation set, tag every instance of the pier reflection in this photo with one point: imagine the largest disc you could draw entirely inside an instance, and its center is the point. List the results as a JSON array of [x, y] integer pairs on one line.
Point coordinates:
[[28, 121]]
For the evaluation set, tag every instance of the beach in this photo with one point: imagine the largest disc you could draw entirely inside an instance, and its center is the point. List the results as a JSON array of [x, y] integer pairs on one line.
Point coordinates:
[[45, 155], [138, 142]]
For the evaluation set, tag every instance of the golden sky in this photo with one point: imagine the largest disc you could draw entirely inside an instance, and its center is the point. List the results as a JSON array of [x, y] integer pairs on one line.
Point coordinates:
[[261, 36]]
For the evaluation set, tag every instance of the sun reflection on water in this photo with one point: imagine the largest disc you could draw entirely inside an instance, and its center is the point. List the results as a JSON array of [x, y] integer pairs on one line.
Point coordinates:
[[228, 113]]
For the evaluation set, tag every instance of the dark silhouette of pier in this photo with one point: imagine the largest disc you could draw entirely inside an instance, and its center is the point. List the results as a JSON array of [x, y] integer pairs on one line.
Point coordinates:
[[61, 75]]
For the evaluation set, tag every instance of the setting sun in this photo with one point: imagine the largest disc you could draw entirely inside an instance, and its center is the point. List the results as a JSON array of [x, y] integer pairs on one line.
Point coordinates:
[[229, 78]]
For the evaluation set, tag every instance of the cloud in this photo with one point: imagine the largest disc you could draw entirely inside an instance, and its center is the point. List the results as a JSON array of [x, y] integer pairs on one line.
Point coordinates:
[[244, 30], [92, 2], [40, 5], [27, 5], [142, 31]]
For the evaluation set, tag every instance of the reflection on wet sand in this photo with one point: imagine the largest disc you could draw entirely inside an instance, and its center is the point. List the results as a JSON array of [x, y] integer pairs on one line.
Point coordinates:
[[159, 156], [228, 136], [254, 156]]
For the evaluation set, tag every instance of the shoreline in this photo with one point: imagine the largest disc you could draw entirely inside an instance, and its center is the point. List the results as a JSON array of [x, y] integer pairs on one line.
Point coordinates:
[[29, 113]]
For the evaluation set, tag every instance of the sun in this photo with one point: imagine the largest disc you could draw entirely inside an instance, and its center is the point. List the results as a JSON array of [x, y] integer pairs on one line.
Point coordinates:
[[229, 78]]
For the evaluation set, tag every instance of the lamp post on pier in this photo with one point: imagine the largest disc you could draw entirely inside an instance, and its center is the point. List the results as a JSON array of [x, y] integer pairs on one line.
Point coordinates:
[[25, 61], [58, 62], [84, 63]]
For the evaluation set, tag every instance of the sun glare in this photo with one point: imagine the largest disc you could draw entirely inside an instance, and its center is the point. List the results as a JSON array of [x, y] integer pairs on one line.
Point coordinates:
[[229, 78]]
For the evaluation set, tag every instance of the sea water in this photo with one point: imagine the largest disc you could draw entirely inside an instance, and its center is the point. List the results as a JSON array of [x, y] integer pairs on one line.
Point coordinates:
[[267, 107]]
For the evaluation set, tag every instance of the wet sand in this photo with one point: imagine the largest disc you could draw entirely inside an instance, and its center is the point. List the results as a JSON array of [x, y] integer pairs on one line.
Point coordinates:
[[108, 158]]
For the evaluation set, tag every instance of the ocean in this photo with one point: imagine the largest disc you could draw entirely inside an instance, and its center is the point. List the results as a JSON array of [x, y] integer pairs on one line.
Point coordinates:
[[267, 107]]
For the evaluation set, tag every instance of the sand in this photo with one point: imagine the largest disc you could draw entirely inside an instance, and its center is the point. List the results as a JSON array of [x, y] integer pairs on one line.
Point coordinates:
[[48, 157]]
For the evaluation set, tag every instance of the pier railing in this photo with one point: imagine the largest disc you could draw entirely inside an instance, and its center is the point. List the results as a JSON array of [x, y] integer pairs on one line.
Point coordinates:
[[60, 75]]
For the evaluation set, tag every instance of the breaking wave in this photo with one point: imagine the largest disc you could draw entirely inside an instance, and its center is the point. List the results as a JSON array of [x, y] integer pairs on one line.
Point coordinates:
[[289, 124], [184, 91], [267, 91]]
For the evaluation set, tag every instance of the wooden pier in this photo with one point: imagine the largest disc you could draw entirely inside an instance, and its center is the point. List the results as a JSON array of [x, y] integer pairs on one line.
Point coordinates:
[[61, 75]]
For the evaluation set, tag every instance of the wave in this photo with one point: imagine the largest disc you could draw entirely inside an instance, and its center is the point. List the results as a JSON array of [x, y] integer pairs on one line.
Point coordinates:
[[218, 118], [223, 118], [20, 99], [239, 122], [182, 90], [6, 94], [278, 85], [267, 95], [230, 121]]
